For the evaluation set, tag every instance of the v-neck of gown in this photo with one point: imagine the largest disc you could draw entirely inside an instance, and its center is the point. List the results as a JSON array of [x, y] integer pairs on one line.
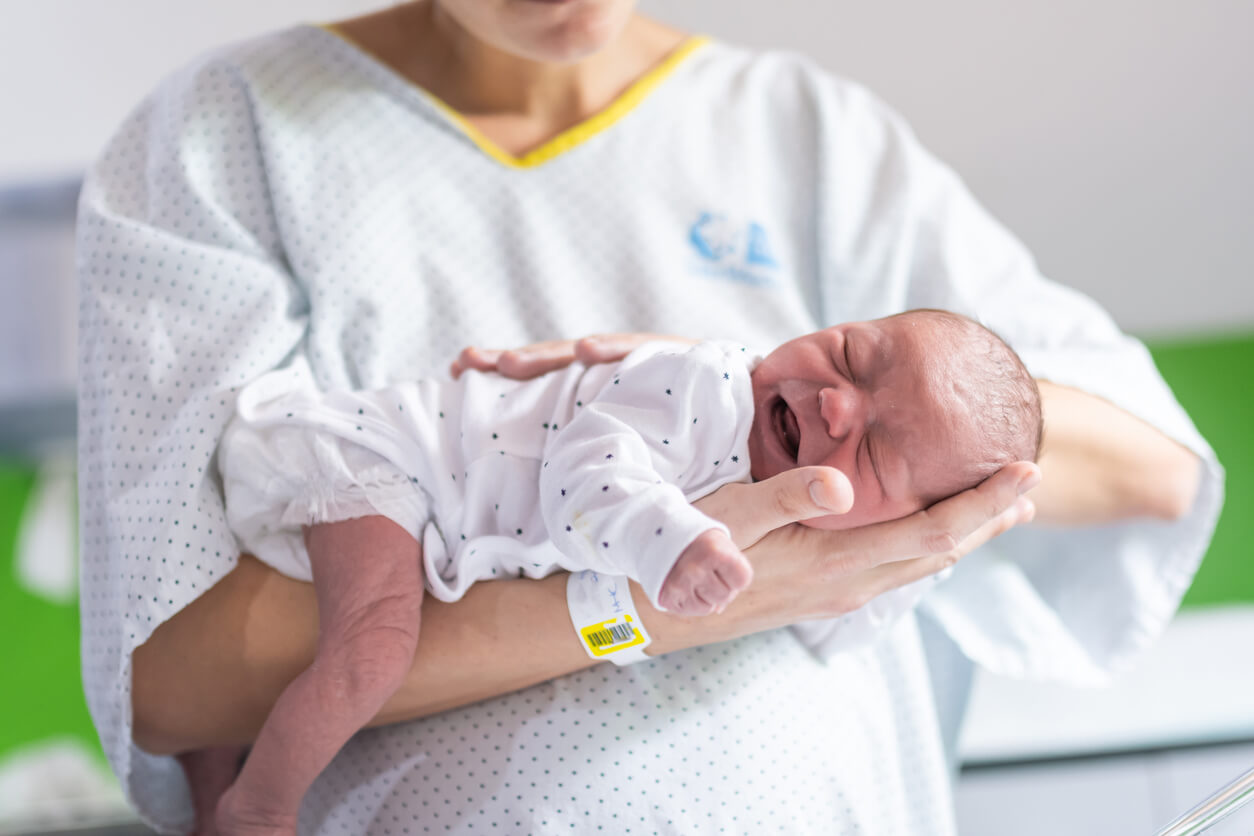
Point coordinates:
[[563, 141]]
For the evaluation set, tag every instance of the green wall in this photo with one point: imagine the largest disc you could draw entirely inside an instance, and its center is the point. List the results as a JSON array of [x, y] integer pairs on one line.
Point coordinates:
[[40, 648], [1212, 379]]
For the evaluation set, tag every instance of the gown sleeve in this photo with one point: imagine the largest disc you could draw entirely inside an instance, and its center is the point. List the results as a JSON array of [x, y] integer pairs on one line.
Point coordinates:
[[617, 480], [185, 295], [900, 231]]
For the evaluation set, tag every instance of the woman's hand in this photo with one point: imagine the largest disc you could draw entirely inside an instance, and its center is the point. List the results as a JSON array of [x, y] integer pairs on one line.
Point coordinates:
[[540, 358], [210, 675], [803, 573]]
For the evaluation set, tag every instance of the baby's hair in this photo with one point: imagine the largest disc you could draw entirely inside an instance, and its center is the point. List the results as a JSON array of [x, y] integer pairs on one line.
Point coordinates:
[[1006, 400]]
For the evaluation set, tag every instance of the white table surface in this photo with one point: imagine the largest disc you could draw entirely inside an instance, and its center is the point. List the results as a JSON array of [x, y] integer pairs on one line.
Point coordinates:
[[1194, 687]]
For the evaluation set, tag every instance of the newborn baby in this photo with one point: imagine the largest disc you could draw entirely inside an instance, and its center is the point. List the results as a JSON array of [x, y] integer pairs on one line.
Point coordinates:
[[582, 468]]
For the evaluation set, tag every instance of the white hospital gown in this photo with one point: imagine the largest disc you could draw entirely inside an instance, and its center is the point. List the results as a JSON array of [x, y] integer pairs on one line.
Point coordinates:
[[291, 197], [583, 468]]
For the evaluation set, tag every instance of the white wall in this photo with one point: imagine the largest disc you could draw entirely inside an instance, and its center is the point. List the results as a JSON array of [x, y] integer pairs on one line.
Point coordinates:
[[1116, 138], [70, 70]]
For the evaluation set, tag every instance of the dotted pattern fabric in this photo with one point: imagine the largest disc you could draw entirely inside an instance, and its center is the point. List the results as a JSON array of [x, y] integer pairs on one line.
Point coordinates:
[[583, 468], [291, 197], [706, 741]]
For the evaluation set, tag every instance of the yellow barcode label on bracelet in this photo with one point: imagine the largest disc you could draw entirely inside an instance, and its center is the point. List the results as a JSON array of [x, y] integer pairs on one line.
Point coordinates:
[[606, 637]]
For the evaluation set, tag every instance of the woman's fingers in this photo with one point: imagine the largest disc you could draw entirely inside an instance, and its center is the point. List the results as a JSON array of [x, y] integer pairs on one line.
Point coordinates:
[[943, 527], [537, 359], [841, 584], [519, 363], [803, 572], [541, 358], [751, 511], [472, 357], [898, 573], [610, 348]]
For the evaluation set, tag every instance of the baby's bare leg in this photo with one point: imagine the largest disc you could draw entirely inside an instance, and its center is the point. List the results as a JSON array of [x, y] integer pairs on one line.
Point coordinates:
[[209, 772], [706, 577], [368, 576]]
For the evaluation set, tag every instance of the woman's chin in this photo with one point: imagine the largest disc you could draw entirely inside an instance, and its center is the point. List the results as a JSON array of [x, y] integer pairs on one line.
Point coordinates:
[[578, 30]]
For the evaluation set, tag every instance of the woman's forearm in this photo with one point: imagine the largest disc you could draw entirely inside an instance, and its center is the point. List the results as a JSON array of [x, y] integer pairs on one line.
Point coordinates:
[[1100, 464], [211, 673]]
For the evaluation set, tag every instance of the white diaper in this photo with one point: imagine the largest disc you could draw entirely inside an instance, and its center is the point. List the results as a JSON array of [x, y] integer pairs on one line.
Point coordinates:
[[279, 478]]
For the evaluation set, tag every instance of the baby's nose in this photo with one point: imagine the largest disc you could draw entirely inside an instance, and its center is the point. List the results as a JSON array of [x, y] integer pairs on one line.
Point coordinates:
[[840, 409]]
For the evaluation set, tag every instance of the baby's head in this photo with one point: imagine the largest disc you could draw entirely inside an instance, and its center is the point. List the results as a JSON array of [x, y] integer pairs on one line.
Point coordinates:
[[912, 408]]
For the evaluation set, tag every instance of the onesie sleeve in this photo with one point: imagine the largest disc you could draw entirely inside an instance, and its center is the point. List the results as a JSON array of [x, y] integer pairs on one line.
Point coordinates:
[[617, 480], [1066, 604], [185, 295]]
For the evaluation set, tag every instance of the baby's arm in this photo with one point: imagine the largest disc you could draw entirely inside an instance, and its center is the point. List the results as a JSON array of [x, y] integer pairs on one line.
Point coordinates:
[[367, 574], [707, 576], [617, 479]]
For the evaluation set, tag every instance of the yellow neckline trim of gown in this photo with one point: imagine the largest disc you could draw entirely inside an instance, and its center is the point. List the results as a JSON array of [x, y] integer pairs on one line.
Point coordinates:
[[572, 136]]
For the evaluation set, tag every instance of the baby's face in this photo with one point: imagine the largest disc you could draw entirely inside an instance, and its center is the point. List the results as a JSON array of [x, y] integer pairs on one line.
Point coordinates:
[[874, 400]]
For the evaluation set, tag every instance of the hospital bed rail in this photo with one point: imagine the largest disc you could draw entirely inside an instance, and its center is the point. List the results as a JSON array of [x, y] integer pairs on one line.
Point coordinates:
[[1226, 801]]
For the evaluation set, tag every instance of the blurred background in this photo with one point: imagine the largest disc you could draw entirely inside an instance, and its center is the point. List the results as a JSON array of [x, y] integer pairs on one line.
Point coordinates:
[[1116, 139]]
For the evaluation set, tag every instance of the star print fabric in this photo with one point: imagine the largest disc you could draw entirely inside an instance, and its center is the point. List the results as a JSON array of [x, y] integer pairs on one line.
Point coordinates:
[[584, 468], [668, 429]]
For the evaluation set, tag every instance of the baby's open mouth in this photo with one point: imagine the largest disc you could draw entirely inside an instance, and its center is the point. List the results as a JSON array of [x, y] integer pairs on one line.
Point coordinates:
[[786, 428]]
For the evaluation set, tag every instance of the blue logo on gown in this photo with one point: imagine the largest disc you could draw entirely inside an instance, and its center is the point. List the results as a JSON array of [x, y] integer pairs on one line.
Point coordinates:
[[730, 250]]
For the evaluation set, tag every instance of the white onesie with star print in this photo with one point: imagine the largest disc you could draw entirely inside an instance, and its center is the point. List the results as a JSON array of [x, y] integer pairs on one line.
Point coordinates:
[[583, 468]]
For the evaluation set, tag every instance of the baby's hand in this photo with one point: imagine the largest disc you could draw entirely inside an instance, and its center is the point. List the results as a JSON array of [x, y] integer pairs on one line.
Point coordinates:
[[706, 577]]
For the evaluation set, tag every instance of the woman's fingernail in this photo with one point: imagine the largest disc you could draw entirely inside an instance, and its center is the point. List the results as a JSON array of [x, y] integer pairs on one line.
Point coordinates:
[[819, 496], [1029, 482], [1027, 510]]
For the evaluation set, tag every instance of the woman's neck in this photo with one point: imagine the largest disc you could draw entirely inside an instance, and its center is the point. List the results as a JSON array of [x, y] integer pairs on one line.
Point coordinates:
[[518, 103]]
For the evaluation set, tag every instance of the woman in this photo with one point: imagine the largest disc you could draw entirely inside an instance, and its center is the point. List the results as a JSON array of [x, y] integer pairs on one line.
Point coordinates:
[[367, 198]]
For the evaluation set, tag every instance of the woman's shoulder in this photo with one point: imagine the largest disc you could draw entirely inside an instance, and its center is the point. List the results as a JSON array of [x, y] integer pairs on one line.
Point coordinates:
[[285, 63], [281, 84], [780, 78]]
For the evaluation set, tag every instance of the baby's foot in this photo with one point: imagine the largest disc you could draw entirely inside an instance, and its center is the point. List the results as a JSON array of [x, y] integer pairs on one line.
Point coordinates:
[[706, 577]]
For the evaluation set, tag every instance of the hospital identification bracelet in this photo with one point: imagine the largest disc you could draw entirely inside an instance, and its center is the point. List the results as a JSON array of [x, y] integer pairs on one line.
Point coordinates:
[[605, 617]]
